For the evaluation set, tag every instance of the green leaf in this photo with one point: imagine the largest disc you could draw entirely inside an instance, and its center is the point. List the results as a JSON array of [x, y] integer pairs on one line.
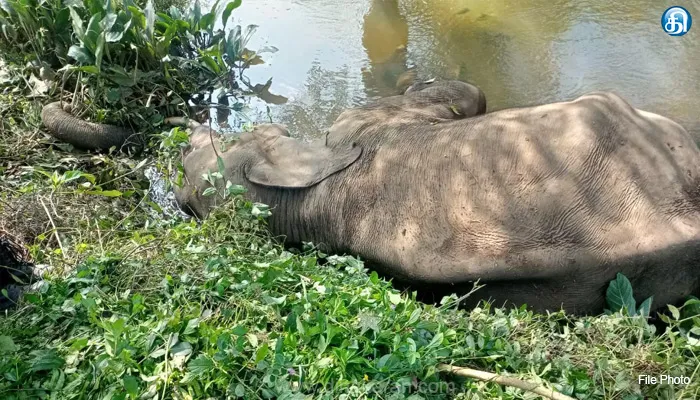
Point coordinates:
[[220, 165], [210, 191], [99, 51], [274, 300], [196, 13], [174, 13], [229, 9], [415, 315], [120, 27], [108, 21], [137, 16], [113, 95], [7, 345], [61, 24], [77, 24], [131, 385], [233, 47], [394, 298], [619, 295], [207, 22], [45, 360], [158, 353], [675, 312], [92, 33], [240, 330], [181, 349], [81, 54], [72, 175], [32, 298], [191, 326], [106, 193], [201, 365], [96, 6], [79, 344], [261, 353], [240, 390], [645, 307], [437, 340], [252, 339], [210, 63], [17, 279], [234, 190], [90, 69]]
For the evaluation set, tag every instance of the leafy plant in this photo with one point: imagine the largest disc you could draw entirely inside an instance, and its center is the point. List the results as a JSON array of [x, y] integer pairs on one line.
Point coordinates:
[[127, 64], [35, 31], [620, 298]]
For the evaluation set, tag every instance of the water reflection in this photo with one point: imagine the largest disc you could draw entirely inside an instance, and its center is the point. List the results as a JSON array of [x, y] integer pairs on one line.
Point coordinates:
[[340, 53], [385, 40], [326, 94]]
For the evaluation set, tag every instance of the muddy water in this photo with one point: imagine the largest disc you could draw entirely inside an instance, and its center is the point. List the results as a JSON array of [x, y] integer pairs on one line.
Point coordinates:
[[334, 54]]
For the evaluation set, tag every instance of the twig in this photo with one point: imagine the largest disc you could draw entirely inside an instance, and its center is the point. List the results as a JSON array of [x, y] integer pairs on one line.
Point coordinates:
[[463, 297], [211, 139], [55, 231], [504, 380]]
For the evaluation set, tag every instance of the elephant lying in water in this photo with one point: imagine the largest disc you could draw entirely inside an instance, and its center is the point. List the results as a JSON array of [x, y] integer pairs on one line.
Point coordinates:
[[544, 204]]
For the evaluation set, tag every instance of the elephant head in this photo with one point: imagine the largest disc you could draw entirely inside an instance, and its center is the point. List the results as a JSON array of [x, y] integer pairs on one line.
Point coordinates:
[[267, 158]]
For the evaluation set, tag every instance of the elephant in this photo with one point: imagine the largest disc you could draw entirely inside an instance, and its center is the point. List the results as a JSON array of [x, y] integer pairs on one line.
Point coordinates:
[[82, 134], [544, 205]]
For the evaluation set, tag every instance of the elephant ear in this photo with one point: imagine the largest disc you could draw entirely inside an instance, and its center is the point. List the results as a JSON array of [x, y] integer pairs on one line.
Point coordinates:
[[290, 163]]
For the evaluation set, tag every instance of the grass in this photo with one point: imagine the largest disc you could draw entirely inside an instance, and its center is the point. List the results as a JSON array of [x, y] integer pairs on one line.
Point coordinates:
[[137, 305]]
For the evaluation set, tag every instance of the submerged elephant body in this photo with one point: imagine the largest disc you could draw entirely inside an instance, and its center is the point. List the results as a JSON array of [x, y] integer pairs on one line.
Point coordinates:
[[544, 204]]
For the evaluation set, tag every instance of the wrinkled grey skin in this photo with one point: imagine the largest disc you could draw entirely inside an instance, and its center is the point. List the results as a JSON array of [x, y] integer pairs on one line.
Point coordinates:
[[544, 204], [81, 134]]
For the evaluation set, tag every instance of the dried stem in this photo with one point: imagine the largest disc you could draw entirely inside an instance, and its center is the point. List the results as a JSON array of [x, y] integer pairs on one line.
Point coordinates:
[[504, 380]]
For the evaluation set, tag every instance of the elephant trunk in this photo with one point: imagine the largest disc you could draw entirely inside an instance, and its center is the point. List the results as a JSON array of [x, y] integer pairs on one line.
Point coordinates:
[[82, 134]]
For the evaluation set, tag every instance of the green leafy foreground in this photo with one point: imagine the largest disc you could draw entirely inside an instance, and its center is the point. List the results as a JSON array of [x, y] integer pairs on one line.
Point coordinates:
[[238, 316]]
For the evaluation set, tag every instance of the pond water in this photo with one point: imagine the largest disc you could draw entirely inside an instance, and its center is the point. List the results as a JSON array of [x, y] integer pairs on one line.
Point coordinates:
[[335, 54]]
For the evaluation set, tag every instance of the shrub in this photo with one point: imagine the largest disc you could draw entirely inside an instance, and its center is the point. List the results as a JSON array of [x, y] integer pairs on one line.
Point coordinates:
[[125, 64]]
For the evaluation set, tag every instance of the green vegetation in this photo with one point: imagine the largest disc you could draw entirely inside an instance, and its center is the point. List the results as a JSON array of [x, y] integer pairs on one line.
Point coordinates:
[[139, 304], [124, 64]]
